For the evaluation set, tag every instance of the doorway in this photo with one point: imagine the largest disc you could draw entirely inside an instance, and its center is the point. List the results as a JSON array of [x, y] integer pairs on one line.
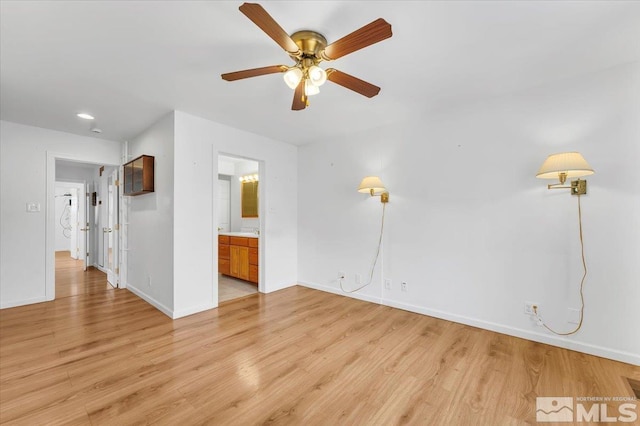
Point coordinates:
[[80, 201], [238, 227]]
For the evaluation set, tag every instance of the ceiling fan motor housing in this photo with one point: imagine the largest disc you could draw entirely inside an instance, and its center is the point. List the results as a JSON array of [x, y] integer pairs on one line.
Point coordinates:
[[310, 43]]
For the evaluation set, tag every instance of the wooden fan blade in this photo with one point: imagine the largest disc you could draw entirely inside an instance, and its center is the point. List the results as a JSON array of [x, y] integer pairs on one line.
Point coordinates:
[[353, 83], [372, 33], [299, 98], [254, 72], [262, 19]]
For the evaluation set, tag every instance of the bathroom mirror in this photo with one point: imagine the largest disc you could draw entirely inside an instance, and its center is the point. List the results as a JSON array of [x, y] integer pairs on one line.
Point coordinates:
[[249, 199]]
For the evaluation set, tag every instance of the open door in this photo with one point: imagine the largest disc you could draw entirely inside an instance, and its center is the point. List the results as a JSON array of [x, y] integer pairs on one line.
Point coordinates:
[[83, 226], [111, 231]]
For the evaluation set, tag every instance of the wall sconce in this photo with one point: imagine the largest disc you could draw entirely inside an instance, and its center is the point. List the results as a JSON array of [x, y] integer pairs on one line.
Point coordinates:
[[566, 165], [374, 186]]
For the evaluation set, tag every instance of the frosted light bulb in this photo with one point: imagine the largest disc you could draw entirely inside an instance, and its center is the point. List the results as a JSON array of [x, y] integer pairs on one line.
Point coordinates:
[[292, 77], [310, 89], [317, 75]]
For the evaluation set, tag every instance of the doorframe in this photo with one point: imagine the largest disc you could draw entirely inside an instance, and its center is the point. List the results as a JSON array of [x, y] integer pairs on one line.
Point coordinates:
[[262, 214], [49, 228]]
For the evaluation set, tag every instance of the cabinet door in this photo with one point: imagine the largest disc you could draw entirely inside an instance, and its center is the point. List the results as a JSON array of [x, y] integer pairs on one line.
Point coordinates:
[[223, 251], [253, 273], [239, 262], [234, 264], [223, 266], [253, 256], [244, 263]]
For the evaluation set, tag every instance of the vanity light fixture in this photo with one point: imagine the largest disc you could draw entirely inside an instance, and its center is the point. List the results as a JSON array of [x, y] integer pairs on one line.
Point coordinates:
[[249, 178], [374, 186], [566, 165]]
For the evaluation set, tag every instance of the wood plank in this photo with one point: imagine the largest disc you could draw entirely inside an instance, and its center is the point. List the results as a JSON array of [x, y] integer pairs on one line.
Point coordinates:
[[295, 356]]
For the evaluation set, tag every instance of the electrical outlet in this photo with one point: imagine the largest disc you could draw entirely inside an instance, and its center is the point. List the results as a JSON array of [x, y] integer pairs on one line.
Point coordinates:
[[358, 279], [403, 286], [341, 275], [387, 284], [574, 316], [528, 308]]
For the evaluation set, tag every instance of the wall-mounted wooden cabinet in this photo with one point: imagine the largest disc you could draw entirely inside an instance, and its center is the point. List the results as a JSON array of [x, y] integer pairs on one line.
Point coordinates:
[[138, 175]]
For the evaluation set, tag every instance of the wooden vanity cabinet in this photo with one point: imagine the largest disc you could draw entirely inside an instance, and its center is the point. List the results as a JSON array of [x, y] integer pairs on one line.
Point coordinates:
[[224, 255], [238, 257]]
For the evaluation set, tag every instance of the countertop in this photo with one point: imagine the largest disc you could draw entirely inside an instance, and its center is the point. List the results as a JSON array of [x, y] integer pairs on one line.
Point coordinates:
[[240, 234]]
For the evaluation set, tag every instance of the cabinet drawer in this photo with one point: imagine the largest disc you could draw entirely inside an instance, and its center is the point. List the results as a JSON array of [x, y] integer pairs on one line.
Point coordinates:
[[253, 256], [253, 242], [223, 251], [239, 241], [223, 266], [223, 239], [253, 273]]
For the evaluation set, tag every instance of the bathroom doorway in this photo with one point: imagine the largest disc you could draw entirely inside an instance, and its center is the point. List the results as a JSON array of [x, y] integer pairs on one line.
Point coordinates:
[[238, 227]]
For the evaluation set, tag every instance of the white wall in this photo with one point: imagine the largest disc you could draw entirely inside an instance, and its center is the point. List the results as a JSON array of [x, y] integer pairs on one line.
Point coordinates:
[[150, 272], [469, 227], [27, 160], [198, 142]]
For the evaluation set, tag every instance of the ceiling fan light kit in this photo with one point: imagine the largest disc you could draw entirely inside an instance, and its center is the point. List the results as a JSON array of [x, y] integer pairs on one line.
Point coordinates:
[[308, 49]]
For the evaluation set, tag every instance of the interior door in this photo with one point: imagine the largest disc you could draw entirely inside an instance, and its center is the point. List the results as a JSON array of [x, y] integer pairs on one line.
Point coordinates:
[[110, 231], [83, 226], [74, 248]]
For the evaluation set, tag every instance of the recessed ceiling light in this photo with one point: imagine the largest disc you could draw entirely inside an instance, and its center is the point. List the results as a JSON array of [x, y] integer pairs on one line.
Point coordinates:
[[85, 116]]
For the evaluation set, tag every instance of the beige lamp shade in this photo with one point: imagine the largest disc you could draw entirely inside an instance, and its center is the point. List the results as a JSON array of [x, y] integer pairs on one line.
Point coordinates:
[[572, 164], [371, 183]]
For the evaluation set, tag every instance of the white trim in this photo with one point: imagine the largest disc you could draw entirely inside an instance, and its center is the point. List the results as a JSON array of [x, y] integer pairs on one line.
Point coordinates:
[[193, 310], [49, 227], [560, 342], [337, 291], [15, 303], [150, 300]]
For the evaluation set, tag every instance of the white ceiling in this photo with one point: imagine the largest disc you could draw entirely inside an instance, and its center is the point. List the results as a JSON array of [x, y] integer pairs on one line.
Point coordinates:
[[130, 62]]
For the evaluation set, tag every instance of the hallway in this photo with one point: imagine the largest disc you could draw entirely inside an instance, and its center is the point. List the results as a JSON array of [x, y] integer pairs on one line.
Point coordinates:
[[71, 280]]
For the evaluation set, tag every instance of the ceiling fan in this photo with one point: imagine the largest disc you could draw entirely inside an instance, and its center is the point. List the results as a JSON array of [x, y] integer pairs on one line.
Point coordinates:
[[309, 48]]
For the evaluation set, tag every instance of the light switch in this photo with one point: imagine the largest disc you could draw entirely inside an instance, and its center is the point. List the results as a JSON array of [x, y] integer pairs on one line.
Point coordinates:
[[33, 207]]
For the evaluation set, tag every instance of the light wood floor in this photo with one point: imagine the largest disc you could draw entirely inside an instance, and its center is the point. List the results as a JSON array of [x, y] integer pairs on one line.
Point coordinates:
[[230, 288], [296, 356], [71, 280]]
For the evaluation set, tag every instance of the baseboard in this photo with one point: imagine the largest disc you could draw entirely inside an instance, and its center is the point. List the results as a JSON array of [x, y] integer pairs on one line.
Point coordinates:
[[561, 342], [99, 268], [150, 300], [193, 310], [334, 290], [278, 287], [524, 334], [16, 303]]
